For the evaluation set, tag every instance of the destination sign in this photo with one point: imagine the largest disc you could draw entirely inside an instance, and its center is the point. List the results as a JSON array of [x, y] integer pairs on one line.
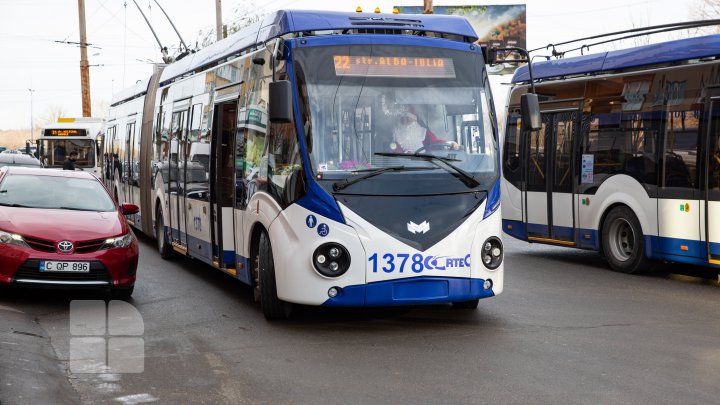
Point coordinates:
[[394, 66], [64, 132]]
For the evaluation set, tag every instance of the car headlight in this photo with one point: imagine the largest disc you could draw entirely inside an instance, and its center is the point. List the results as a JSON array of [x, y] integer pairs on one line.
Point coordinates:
[[12, 239], [118, 241]]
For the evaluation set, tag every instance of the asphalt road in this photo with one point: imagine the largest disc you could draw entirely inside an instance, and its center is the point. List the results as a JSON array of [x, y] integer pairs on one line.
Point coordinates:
[[566, 330]]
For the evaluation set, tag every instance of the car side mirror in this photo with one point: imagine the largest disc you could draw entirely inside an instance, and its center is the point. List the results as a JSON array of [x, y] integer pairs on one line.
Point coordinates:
[[530, 112], [129, 209]]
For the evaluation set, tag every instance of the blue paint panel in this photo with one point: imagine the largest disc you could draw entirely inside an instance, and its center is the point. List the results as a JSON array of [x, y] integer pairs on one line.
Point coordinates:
[[518, 229], [329, 40], [229, 257], [320, 202], [244, 272], [672, 246], [564, 233], [671, 51], [561, 67], [587, 239], [538, 229], [413, 291], [301, 20], [493, 200]]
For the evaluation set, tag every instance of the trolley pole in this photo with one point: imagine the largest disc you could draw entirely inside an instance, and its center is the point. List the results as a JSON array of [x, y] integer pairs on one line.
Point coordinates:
[[427, 7], [218, 19], [84, 67]]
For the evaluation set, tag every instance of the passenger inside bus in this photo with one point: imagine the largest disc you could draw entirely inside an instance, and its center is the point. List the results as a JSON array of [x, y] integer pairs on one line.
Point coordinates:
[[411, 134]]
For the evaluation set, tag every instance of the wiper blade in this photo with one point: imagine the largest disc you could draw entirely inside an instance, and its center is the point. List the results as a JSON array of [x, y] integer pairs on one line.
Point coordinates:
[[16, 205], [465, 177], [425, 156], [73, 209], [372, 173]]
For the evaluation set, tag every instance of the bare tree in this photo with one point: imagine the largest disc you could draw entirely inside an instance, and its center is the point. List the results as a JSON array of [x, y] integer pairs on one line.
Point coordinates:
[[243, 16], [51, 115], [705, 10]]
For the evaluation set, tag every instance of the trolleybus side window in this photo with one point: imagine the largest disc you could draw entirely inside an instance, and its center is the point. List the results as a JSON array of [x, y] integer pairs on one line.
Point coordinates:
[[511, 149], [682, 135], [714, 153], [620, 132]]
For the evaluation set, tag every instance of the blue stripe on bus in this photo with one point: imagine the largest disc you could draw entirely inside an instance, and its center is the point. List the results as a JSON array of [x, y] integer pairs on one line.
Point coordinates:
[[656, 247], [412, 291], [229, 257]]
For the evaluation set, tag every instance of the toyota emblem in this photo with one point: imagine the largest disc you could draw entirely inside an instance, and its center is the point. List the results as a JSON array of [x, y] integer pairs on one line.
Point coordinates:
[[65, 246]]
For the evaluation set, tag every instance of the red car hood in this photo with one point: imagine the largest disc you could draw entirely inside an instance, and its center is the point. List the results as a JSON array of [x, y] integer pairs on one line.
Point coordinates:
[[56, 225]]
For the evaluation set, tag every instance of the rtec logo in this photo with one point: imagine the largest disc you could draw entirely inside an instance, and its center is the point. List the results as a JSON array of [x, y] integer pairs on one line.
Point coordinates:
[[444, 262]]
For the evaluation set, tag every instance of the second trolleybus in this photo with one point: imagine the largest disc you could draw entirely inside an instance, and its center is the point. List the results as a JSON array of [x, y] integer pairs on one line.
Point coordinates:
[[81, 135], [628, 158], [271, 155]]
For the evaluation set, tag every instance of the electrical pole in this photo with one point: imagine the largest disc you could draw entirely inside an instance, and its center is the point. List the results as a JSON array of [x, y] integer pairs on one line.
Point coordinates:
[[218, 20], [84, 67], [31, 114], [427, 7]]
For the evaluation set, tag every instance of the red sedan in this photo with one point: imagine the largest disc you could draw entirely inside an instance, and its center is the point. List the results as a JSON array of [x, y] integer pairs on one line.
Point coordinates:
[[62, 229]]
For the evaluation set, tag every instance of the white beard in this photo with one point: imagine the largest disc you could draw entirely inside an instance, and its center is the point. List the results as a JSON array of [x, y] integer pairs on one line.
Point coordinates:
[[410, 137]]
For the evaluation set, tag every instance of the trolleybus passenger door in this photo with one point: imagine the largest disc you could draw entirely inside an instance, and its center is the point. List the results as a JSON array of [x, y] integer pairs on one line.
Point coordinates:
[[128, 163], [550, 178], [222, 185], [711, 234], [177, 179]]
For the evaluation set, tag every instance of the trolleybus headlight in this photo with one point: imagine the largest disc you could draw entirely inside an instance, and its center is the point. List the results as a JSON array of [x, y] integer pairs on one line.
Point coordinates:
[[492, 253], [331, 260]]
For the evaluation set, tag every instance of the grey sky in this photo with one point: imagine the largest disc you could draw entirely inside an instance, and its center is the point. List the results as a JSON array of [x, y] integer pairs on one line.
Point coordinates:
[[32, 33]]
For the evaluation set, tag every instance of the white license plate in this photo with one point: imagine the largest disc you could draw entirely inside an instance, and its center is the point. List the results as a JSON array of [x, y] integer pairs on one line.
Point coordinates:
[[73, 267]]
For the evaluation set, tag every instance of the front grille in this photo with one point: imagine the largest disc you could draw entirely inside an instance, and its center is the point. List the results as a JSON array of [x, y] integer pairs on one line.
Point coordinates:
[[30, 270], [89, 246], [40, 244]]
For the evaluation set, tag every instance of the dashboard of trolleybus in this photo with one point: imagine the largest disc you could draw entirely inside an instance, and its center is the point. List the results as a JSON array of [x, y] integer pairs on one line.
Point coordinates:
[[396, 119]]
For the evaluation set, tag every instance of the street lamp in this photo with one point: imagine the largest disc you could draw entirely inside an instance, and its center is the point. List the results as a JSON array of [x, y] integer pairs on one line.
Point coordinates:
[[31, 114]]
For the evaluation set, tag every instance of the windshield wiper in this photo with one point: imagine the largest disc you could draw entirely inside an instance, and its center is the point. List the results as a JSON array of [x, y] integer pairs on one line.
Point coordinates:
[[73, 209], [371, 173], [465, 177], [16, 205]]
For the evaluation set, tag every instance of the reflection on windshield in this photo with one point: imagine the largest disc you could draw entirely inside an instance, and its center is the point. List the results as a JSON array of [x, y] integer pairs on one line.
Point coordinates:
[[54, 192], [363, 104]]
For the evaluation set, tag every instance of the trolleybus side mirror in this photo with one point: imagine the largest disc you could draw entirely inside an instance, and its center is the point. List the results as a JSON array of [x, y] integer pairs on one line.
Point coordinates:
[[280, 102], [530, 112]]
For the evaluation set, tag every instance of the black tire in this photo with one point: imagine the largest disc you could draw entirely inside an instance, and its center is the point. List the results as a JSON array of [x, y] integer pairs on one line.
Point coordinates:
[[472, 304], [623, 243], [123, 293], [163, 247], [273, 308]]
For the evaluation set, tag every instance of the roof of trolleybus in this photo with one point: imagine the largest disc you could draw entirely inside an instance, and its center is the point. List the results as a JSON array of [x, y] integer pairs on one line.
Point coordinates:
[[607, 62], [307, 23]]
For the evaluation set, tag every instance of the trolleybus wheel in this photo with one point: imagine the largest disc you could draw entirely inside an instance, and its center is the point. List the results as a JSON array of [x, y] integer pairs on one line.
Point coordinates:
[[272, 306], [163, 247], [472, 304], [623, 242]]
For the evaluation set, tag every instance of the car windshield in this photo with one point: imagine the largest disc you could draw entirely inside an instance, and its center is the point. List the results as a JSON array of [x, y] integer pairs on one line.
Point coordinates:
[[364, 105], [54, 192]]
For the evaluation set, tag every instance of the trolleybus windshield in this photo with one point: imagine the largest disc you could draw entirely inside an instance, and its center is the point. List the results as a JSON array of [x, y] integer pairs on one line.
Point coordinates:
[[363, 105]]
